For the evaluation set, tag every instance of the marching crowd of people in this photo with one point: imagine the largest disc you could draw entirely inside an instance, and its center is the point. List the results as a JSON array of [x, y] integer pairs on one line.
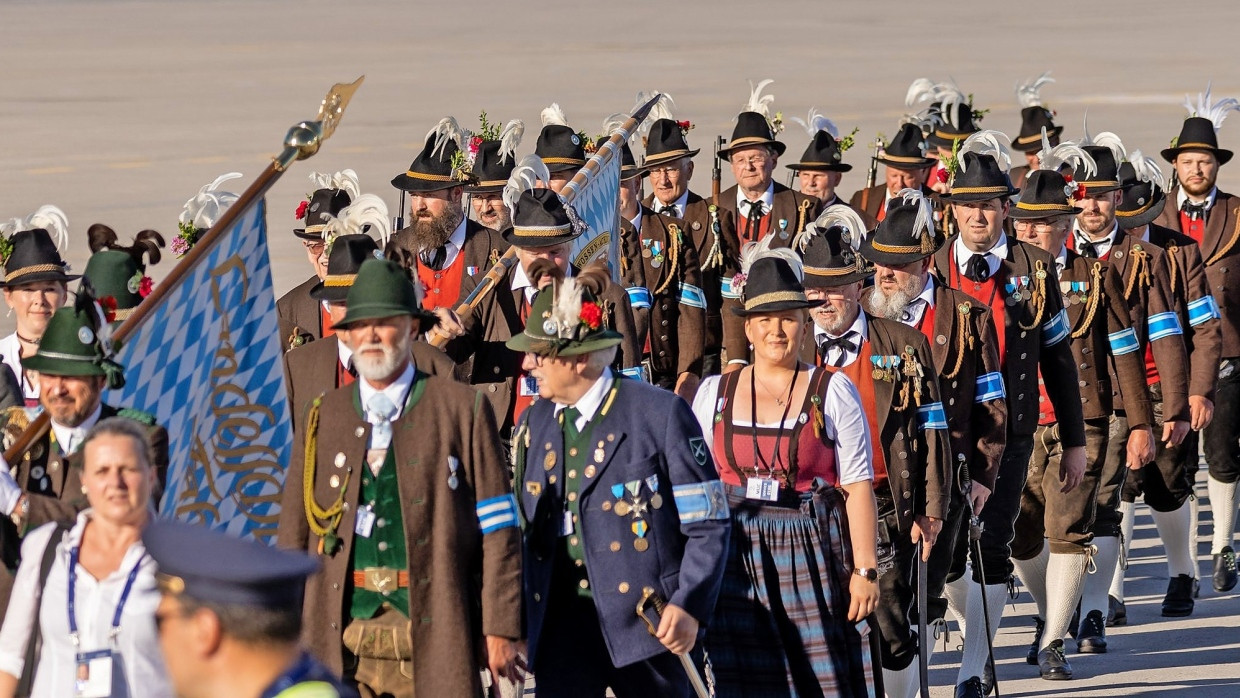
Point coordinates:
[[765, 452]]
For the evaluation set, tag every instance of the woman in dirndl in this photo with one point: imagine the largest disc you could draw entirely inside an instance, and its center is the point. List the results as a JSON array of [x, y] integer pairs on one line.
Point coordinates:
[[792, 447]]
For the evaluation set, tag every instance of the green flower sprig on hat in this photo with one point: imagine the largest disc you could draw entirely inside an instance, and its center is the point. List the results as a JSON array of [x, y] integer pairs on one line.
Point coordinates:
[[47, 217], [815, 121], [462, 159], [761, 104], [201, 212]]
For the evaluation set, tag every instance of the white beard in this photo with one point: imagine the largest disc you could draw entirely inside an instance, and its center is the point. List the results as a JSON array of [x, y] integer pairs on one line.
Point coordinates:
[[383, 367]]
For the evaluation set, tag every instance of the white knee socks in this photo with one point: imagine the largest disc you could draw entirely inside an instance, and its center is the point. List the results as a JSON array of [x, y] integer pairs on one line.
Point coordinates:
[[973, 663], [957, 595], [1174, 529], [904, 683], [1128, 509], [1065, 576], [1094, 596], [1223, 509], [1033, 576]]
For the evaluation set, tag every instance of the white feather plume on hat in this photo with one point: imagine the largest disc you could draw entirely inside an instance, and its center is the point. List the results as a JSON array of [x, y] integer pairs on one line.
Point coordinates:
[[662, 109], [566, 308], [344, 180], [1146, 169], [510, 138], [51, 219], [815, 122], [759, 102], [367, 215], [1216, 112], [1028, 93], [922, 90], [205, 208], [923, 224], [1106, 139], [833, 216], [448, 130], [525, 176], [553, 115], [996, 144], [926, 119], [1067, 154], [949, 95], [753, 251]]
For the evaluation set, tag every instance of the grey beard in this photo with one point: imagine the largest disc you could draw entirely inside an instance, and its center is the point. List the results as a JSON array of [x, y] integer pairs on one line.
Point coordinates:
[[422, 235], [888, 305], [831, 323], [381, 369]]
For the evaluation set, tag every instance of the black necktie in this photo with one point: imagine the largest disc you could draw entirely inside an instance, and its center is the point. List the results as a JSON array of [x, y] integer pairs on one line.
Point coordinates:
[[844, 343], [435, 258], [1195, 212], [755, 219], [977, 269], [1085, 248], [670, 210]]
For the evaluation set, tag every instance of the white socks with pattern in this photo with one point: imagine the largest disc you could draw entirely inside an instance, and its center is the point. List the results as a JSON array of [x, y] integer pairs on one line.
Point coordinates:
[[1223, 509], [1094, 596], [973, 663], [1065, 576], [1032, 574], [1128, 509], [1174, 527], [905, 683]]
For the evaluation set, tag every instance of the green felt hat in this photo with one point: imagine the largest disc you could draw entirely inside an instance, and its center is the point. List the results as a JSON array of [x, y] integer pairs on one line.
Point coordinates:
[[71, 345], [116, 278], [382, 289], [566, 319]]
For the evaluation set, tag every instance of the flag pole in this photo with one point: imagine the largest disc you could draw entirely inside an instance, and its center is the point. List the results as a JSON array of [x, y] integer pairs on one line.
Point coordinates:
[[301, 142], [608, 150]]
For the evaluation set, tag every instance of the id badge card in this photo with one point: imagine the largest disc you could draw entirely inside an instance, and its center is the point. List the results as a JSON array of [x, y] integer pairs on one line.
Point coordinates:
[[365, 523], [528, 386], [566, 524], [94, 674], [764, 489]]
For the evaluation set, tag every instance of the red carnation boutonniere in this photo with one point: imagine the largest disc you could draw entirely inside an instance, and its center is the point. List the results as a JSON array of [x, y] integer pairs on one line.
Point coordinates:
[[108, 303], [301, 210], [591, 315], [942, 175], [685, 126], [145, 286]]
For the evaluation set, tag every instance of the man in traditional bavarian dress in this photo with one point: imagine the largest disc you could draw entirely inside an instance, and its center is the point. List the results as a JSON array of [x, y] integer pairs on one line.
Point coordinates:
[[1015, 281], [792, 448], [542, 228], [561, 148], [822, 165], [1211, 217], [1052, 547], [1034, 117], [493, 162], [757, 206], [452, 251], [964, 347], [1146, 285], [398, 487], [1167, 484], [302, 318], [664, 285], [669, 166], [905, 166], [892, 368], [620, 504]]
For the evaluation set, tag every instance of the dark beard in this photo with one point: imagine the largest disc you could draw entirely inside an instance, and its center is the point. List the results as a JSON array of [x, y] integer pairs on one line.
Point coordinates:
[[1202, 190], [428, 233]]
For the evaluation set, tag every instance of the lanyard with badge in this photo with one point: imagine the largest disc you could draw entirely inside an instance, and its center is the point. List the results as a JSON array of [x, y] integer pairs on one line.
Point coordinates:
[[766, 489], [93, 678]]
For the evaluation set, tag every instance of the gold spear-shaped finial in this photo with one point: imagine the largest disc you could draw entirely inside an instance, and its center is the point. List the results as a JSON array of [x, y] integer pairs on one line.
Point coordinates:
[[304, 139]]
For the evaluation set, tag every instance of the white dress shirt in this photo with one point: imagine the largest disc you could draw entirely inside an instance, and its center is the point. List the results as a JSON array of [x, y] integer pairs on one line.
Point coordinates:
[[1181, 196], [70, 438], [916, 308], [1061, 261], [345, 354], [637, 220], [844, 423], [455, 243], [768, 200], [857, 330], [1101, 245], [137, 644], [397, 392], [681, 204], [592, 401], [11, 352], [993, 256]]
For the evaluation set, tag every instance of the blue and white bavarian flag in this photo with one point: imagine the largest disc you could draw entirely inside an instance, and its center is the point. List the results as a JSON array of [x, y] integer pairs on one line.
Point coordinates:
[[598, 204], [207, 363]]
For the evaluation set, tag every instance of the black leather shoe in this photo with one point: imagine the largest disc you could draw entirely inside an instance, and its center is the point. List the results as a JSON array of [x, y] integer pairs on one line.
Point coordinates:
[[1117, 612], [971, 688], [1225, 570], [1052, 664], [1038, 626], [1179, 599], [1092, 637], [988, 678]]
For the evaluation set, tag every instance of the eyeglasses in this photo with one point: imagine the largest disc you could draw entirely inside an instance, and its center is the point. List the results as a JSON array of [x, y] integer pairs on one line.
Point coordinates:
[[1036, 225], [664, 171], [752, 161], [315, 247]]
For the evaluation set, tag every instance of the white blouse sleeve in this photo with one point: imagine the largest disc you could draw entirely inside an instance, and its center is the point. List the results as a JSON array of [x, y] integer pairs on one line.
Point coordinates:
[[846, 425], [21, 616], [704, 411]]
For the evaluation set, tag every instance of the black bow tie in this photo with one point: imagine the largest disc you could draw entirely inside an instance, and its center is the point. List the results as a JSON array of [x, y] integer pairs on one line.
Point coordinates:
[[977, 268], [1086, 248], [845, 344], [670, 210], [1195, 211], [435, 258]]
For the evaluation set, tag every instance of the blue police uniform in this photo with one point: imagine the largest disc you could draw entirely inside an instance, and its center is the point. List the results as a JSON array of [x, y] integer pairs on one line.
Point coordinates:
[[630, 501]]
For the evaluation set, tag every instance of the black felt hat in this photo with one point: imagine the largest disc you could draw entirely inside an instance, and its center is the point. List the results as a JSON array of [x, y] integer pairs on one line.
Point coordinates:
[[752, 129], [770, 287], [431, 171], [1143, 199], [628, 166], [541, 220], [33, 257], [957, 125], [666, 142], [823, 154], [907, 150], [1032, 121], [560, 148], [979, 179], [901, 238], [1106, 173], [323, 204], [1197, 133], [490, 170], [1046, 193], [346, 257], [830, 260]]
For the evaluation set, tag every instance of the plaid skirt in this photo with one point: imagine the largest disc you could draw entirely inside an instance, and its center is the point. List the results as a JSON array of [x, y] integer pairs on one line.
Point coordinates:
[[781, 625]]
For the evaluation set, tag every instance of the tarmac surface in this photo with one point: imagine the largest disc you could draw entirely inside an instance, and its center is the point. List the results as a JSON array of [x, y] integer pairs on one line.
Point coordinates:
[[120, 111]]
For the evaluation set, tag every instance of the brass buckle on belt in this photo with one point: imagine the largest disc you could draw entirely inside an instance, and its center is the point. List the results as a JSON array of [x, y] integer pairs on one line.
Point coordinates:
[[379, 579]]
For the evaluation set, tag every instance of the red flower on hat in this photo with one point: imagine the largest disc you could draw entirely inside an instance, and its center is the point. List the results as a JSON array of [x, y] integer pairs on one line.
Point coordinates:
[[108, 303], [1079, 193], [684, 125], [1067, 177], [942, 175], [591, 315], [474, 144], [145, 286], [301, 210]]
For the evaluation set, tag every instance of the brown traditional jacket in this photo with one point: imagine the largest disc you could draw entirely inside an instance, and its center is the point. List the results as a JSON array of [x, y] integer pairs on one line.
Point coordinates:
[[463, 584], [1198, 311], [300, 316], [878, 195], [1220, 248], [667, 300], [483, 248]]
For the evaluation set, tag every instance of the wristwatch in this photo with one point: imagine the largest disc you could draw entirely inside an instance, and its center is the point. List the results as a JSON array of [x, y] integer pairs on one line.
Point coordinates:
[[20, 512], [869, 574]]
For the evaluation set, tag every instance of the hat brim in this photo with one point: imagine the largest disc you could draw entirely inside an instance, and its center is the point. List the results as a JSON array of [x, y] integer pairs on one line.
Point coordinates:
[[776, 307], [634, 174], [892, 259], [816, 167], [921, 164], [1035, 144], [526, 344], [1223, 156], [1018, 213], [554, 167], [660, 158], [1144, 218], [980, 196], [726, 153], [813, 280], [301, 233], [413, 184], [378, 311], [63, 367], [38, 277], [485, 188], [938, 141], [534, 241], [330, 294]]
